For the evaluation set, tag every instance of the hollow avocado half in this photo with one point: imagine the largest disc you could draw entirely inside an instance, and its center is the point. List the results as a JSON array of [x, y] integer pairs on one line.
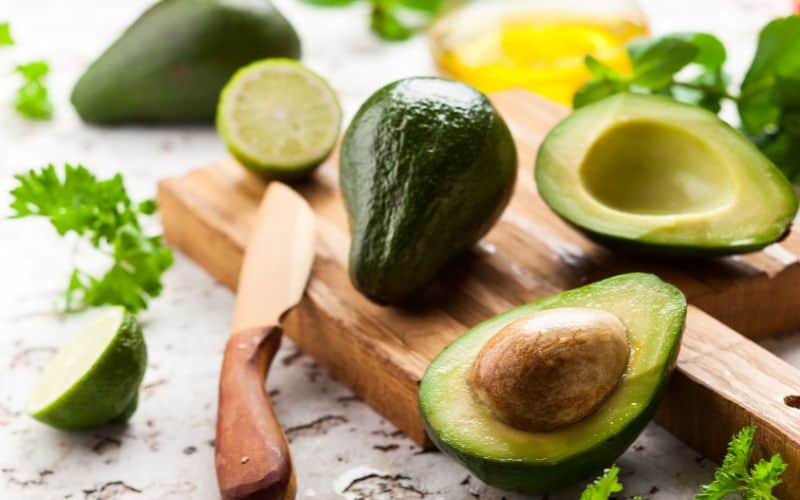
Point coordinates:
[[655, 176], [534, 462]]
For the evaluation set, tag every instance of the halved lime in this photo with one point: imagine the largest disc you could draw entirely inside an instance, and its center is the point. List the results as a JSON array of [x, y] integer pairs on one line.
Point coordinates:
[[278, 118], [95, 378]]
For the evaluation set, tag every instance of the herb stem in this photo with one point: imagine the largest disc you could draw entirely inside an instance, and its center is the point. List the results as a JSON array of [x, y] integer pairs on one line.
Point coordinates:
[[708, 90]]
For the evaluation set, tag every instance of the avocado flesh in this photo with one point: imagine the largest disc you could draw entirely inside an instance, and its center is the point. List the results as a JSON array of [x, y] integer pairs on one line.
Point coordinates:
[[426, 167], [171, 64], [654, 314], [656, 176]]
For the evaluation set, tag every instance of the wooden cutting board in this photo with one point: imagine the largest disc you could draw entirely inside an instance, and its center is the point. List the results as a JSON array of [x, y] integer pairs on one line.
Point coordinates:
[[723, 380]]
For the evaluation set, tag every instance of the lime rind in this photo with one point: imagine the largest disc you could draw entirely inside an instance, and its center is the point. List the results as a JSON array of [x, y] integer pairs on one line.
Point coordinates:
[[278, 118], [89, 385]]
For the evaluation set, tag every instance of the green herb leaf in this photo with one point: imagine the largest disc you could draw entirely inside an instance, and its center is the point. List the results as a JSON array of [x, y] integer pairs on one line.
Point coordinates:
[[655, 61], [135, 276], [5, 34], [386, 23], [329, 3], [102, 212], [607, 82], [777, 54], [769, 104], [34, 70], [604, 486], [33, 99], [597, 90], [396, 20], [733, 477]]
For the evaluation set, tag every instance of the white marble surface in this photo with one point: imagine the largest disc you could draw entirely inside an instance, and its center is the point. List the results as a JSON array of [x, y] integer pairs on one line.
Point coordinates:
[[342, 448]]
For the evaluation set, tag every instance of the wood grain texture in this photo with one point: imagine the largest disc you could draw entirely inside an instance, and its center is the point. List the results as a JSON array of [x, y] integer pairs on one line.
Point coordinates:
[[382, 352]]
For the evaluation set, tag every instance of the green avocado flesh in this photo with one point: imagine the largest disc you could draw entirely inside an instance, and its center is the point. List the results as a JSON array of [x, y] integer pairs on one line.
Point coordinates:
[[171, 64], [653, 312], [426, 167], [657, 176]]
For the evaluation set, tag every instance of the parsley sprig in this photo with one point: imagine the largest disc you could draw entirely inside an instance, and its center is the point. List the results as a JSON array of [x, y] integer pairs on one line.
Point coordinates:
[[604, 486], [734, 478], [5, 34], [33, 98], [689, 67], [101, 212], [395, 20]]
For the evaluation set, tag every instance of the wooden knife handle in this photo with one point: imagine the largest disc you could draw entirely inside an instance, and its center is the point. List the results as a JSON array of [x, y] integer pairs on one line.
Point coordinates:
[[252, 456]]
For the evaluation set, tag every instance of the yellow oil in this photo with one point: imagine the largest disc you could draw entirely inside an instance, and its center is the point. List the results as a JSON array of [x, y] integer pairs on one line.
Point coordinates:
[[539, 51]]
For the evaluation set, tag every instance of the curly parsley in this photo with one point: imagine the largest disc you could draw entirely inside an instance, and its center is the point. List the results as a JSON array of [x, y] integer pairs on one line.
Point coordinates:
[[733, 478], [101, 212], [33, 98]]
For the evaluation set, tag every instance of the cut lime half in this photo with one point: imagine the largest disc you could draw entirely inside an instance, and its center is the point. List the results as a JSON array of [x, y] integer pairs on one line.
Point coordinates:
[[95, 378], [278, 118]]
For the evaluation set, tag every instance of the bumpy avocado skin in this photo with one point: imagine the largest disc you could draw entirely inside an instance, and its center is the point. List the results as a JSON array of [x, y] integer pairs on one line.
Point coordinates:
[[171, 64], [426, 168], [536, 478]]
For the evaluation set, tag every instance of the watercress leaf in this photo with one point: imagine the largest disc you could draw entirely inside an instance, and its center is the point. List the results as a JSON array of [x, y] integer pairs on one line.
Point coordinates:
[[778, 53], [598, 69], [5, 34], [596, 90], [656, 61], [386, 23], [429, 6], [783, 146], [329, 3], [711, 52], [604, 486]]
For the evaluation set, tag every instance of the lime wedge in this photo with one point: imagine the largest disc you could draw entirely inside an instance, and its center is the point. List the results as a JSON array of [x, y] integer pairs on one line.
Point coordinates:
[[278, 118], [95, 378]]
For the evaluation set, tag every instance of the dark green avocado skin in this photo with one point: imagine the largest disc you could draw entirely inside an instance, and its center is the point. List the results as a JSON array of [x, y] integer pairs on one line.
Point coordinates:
[[676, 253], [171, 64], [426, 168]]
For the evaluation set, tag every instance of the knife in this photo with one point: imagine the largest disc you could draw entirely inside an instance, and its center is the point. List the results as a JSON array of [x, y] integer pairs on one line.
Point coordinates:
[[252, 455]]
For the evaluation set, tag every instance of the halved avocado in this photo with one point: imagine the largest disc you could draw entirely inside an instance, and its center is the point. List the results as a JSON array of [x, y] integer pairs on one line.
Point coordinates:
[[534, 462], [662, 177]]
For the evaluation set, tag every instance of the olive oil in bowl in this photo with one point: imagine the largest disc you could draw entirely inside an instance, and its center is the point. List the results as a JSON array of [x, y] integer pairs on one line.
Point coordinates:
[[534, 44]]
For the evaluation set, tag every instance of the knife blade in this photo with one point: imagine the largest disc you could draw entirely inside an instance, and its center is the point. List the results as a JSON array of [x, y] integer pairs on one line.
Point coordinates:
[[252, 456]]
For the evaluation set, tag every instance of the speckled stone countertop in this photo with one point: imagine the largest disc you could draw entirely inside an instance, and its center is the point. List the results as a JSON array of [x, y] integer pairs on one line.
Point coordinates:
[[342, 449]]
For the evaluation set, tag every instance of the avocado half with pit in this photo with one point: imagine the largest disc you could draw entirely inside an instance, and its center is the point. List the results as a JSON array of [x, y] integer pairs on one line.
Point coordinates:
[[656, 176], [549, 393]]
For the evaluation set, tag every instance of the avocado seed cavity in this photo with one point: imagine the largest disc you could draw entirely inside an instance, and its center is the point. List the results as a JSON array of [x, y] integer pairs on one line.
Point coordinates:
[[551, 368]]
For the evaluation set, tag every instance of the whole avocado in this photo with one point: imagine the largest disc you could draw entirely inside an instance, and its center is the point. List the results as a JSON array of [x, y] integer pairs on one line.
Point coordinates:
[[171, 64], [427, 166]]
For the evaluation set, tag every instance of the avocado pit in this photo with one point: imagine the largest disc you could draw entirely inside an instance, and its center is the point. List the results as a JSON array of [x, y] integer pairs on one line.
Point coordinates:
[[551, 368]]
